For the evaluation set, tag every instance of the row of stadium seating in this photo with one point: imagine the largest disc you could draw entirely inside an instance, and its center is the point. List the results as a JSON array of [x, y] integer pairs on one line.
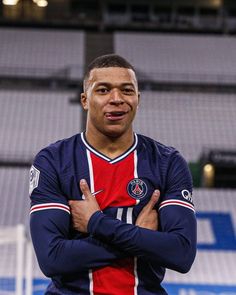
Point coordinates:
[[186, 58], [41, 53], [191, 122], [32, 119], [157, 57]]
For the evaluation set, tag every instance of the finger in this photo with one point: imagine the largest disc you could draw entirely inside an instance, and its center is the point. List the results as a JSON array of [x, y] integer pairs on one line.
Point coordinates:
[[72, 202], [154, 199], [85, 189]]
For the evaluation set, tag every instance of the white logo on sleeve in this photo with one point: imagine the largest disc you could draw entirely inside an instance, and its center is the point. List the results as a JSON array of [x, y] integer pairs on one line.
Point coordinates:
[[187, 195], [34, 179]]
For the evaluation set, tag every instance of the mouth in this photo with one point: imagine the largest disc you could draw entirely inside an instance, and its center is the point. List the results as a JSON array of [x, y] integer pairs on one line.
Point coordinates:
[[114, 116]]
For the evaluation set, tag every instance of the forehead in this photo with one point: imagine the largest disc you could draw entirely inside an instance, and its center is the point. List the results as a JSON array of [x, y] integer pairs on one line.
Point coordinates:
[[112, 75]]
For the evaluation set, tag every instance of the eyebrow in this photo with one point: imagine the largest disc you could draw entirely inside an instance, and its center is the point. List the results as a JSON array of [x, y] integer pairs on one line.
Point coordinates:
[[110, 84]]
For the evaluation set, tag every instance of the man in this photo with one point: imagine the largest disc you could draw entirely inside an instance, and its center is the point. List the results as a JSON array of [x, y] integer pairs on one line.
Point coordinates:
[[95, 198]]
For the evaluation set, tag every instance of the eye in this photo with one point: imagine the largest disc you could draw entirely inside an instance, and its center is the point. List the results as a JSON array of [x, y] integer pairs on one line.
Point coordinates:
[[128, 91], [102, 90]]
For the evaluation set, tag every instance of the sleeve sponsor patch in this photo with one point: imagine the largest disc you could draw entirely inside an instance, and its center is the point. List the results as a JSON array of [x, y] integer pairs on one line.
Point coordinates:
[[34, 179], [187, 195]]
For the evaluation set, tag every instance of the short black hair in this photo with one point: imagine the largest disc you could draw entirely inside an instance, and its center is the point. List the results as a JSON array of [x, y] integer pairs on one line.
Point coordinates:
[[107, 61]]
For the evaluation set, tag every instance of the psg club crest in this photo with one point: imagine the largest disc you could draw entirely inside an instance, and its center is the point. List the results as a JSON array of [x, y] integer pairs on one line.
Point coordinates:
[[137, 188]]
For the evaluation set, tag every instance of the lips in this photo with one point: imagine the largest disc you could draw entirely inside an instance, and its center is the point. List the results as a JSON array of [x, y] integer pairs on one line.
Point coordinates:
[[116, 115]]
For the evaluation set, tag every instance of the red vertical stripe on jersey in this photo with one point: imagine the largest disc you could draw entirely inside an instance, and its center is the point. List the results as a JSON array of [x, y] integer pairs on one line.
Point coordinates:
[[112, 179], [116, 280]]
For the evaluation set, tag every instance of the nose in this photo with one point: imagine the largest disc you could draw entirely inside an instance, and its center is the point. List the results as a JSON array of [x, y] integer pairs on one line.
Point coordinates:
[[116, 97]]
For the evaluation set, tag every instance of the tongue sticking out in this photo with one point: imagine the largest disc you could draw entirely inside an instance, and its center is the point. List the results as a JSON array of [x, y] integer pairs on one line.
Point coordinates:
[[115, 115]]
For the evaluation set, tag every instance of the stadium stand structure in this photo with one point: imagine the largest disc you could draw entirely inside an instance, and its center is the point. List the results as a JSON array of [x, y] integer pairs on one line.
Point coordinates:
[[30, 120], [41, 53], [191, 122], [14, 201], [180, 58], [214, 266]]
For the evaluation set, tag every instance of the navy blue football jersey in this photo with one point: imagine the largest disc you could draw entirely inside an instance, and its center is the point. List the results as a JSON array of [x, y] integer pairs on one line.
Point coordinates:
[[115, 257]]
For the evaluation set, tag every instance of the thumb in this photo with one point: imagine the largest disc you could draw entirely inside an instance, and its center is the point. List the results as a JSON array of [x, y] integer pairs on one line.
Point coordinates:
[[85, 189], [154, 199]]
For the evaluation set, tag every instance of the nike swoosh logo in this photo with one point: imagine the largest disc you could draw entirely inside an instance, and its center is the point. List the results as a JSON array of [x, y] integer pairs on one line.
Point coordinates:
[[97, 192], [94, 193]]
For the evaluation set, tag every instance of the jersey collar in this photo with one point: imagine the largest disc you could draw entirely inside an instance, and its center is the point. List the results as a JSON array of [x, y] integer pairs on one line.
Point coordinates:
[[112, 161]]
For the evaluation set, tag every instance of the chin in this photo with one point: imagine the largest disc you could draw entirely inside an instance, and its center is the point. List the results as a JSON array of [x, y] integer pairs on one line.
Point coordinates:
[[114, 132]]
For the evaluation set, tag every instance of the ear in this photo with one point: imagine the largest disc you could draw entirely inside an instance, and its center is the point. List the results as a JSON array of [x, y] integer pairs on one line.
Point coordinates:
[[139, 95], [84, 101]]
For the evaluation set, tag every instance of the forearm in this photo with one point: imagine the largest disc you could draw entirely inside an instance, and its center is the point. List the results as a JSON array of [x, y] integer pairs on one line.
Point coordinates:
[[174, 249], [58, 255]]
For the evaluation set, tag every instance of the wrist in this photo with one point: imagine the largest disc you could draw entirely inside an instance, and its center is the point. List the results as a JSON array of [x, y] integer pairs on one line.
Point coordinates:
[[95, 217]]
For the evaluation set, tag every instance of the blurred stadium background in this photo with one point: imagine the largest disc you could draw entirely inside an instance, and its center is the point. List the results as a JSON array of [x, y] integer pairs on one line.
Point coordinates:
[[185, 55]]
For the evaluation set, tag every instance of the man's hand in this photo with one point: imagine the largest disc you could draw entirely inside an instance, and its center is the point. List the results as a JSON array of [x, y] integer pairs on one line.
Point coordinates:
[[148, 217], [82, 210]]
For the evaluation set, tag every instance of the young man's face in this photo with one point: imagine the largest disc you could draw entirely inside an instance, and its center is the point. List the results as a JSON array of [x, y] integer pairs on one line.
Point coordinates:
[[111, 98]]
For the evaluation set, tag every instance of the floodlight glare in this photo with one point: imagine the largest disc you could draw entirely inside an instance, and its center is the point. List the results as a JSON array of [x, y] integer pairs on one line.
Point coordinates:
[[42, 3], [10, 2], [208, 175]]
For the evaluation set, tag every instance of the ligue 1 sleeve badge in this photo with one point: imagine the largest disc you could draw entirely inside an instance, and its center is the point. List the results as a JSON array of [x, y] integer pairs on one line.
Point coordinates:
[[34, 179], [137, 188]]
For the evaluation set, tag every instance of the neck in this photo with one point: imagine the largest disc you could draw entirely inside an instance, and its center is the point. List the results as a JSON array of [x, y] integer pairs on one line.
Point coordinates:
[[111, 147]]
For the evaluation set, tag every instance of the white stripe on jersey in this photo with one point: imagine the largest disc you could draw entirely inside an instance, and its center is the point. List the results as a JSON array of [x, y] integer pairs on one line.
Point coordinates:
[[90, 171], [91, 282], [176, 202], [129, 215], [48, 206], [119, 213], [135, 277], [91, 177]]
